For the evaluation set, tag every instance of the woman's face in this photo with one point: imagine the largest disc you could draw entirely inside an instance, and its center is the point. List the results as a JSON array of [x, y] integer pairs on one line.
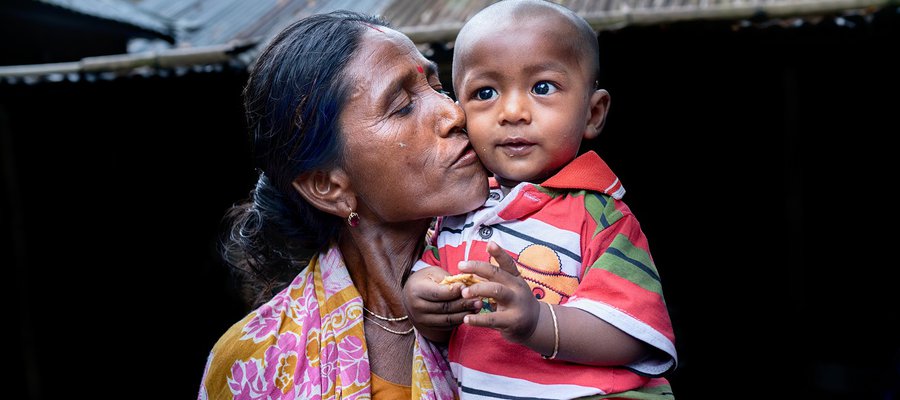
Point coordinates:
[[406, 152]]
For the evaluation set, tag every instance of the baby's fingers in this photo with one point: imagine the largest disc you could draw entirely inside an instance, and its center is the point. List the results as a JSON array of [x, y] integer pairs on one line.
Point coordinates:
[[503, 258], [500, 293], [496, 320]]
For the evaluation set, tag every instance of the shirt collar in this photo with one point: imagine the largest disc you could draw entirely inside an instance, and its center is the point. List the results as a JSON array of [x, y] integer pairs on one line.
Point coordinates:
[[589, 172]]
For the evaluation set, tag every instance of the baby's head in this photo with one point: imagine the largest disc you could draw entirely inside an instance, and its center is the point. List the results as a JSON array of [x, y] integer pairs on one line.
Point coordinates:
[[525, 72]]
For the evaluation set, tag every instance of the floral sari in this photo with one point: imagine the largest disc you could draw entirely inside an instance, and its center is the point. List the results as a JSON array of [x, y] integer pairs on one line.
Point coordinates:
[[308, 343]]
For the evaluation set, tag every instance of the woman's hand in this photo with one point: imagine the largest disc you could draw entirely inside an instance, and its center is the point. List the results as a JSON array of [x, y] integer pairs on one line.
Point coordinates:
[[435, 309], [518, 312]]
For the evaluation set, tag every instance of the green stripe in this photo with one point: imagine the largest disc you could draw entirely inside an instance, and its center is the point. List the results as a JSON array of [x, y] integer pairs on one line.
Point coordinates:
[[553, 193], [603, 209], [434, 251], [631, 263]]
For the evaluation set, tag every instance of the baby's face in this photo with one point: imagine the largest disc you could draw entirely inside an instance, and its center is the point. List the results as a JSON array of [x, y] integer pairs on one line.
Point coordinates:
[[526, 94]]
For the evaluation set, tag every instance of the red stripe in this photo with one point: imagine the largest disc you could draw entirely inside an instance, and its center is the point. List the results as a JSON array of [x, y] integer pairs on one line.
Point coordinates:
[[644, 305], [635, 234], [452, 255], [564, 212], [485, 350]]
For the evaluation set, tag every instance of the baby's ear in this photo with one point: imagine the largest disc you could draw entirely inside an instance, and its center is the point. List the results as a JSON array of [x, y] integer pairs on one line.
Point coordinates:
[[598, 107]]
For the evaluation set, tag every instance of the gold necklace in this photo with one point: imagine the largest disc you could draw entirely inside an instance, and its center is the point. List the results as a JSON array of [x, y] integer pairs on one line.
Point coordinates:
[[406, 332], [389, 319]]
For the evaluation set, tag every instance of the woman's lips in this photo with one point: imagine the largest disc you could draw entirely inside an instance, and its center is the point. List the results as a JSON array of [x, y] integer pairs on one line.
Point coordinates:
[[466, 157]]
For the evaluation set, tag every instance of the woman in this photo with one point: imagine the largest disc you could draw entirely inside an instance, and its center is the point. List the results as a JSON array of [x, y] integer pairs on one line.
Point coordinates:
[[358, 148]]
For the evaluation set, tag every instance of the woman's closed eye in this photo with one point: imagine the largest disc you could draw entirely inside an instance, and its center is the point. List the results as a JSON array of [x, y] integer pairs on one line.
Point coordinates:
[[410, 106], [406, 110], [403, 104], [544, 88]]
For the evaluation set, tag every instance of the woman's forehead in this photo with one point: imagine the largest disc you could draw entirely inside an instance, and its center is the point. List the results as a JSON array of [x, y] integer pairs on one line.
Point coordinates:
[[383, 57], [382, 47]]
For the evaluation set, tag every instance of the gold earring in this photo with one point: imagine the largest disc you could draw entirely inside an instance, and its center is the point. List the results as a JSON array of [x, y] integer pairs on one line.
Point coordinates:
[[353, 219]]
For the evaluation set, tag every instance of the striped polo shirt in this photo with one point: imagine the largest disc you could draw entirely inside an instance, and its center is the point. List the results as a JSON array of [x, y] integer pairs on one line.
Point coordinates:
[[577, 245]]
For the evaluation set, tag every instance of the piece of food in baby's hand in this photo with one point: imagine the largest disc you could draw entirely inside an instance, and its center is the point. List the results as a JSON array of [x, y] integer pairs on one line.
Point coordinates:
[[465, 279], [487, 304]]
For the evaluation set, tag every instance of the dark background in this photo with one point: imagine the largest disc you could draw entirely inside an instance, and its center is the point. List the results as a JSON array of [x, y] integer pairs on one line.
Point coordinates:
[[757, 159]]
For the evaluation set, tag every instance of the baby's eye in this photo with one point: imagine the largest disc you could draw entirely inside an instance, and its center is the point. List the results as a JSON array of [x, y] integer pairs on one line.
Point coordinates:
[[485, 93], [544, 88]]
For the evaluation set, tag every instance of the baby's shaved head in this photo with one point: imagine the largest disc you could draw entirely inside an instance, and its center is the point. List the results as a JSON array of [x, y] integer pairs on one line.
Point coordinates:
[[574, 31]]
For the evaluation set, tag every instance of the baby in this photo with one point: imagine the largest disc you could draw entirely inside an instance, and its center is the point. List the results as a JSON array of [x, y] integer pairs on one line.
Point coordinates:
[[577, 307]]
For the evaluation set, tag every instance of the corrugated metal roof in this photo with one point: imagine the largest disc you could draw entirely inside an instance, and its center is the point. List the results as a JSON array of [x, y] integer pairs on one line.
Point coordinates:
[[242, 26], [115, 10], [210, 22], [441, 20]]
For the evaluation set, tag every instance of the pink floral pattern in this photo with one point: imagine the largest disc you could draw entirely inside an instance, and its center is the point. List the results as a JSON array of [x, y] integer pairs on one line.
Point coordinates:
[[267, 318], [291, 349], [353, 360], [247, 381]]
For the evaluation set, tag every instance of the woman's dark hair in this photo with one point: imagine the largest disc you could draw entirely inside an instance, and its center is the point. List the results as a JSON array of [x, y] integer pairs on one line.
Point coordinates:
[[293, 100]]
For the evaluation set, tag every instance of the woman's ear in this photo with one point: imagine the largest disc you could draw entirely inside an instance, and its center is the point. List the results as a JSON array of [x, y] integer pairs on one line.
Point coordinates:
[[598, 108], [328, 191]]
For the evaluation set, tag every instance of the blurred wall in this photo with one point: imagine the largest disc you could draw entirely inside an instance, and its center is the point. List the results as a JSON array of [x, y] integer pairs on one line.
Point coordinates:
[[756, 159]]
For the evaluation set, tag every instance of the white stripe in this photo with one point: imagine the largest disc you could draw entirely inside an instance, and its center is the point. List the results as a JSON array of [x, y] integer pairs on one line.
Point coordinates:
[[419, 265], [633, 327], [611, 186], [514, 386], [562, 238], [446, 238], [565, 239]]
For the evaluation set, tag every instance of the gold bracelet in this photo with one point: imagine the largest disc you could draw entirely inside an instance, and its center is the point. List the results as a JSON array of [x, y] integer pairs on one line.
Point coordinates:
[[555, 334]]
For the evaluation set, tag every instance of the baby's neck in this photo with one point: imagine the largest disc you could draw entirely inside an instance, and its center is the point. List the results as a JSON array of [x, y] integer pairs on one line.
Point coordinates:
[[506, 185]]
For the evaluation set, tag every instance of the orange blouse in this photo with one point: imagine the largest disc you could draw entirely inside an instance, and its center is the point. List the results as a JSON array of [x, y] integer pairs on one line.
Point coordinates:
[[386, 390]]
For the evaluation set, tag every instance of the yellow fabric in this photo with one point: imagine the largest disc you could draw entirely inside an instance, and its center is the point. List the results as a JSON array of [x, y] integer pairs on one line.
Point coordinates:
[[386, 390], [263, 352], [308, 342]]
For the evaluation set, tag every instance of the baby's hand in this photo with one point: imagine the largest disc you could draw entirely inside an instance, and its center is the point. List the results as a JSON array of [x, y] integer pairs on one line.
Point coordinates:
[[517, 312], [433, 308]]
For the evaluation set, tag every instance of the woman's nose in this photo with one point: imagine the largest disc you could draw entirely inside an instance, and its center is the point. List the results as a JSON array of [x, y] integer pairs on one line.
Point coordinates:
[[514, 110], [453, 119]]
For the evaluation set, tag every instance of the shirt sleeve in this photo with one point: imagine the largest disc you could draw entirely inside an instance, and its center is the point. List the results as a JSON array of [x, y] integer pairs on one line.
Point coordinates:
[[620, 285]]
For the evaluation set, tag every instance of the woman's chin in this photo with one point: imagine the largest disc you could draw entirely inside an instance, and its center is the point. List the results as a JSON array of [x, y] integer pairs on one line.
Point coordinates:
[[476, 199]]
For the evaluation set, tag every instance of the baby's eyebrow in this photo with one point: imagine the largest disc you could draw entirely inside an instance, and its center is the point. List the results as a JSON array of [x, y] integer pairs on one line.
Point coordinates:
[[545, 66]]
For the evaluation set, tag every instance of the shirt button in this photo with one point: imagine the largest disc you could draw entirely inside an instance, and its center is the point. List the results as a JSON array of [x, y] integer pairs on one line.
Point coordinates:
[[495, 196], [486, 232]]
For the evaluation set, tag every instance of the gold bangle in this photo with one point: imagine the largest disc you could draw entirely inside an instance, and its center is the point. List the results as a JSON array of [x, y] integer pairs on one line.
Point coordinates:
[[555, 334]]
